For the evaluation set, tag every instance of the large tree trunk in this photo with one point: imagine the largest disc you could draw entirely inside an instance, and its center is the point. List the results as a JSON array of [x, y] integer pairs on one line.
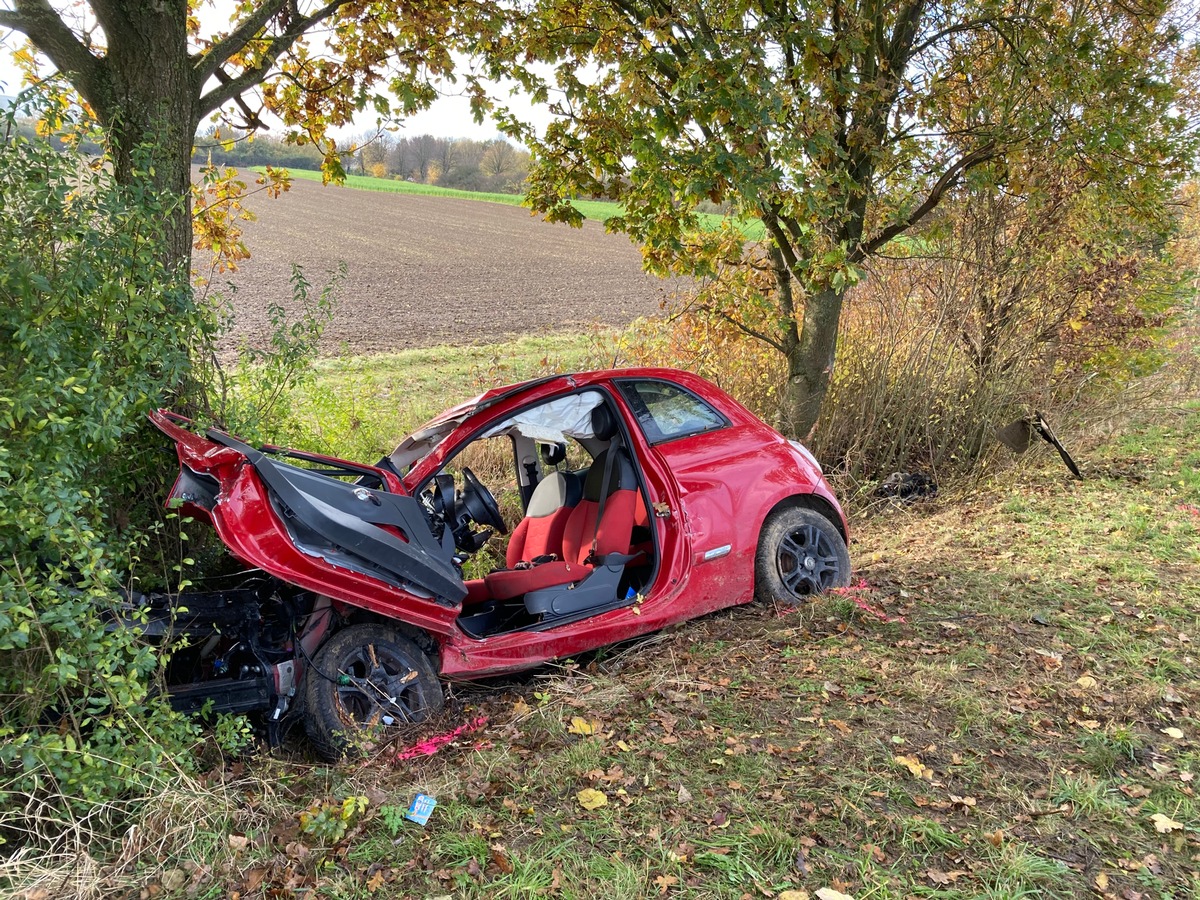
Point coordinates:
[[146, 101], [810, 362]]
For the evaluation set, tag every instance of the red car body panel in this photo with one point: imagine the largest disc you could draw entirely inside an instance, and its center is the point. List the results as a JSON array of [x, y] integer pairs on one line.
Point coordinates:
[[710, 492]]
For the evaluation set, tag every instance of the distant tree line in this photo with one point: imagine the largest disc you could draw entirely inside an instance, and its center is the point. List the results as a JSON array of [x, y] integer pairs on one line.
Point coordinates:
[[493, 165]]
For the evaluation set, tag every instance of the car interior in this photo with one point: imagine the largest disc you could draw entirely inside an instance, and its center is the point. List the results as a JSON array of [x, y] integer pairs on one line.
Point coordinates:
[[581, 542]]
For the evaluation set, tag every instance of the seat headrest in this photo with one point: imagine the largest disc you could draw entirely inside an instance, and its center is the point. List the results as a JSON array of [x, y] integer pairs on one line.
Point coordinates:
[[554, 453], [604, 423]]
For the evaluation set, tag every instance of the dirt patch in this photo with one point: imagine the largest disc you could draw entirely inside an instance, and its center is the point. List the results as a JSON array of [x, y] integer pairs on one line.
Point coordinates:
[[426, 271]]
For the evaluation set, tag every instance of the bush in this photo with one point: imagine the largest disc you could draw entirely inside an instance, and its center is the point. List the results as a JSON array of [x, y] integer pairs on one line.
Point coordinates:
[[94, 332]]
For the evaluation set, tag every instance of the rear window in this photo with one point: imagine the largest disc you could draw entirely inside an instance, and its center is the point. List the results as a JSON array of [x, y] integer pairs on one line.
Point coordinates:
[[666, 411]]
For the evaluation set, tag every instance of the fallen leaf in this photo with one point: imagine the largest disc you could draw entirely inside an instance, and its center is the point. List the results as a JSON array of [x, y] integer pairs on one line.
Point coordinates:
[[501, 859], [521, 708], [1087, 682], [664, 882], [254, 878], [685, 796], [1173, 732], [916, 767], [375, 882], [622, 746], [831, 894], [175, 879], [938, 877], [1165, 824], [1049, 659], [995, 838], [1101, 882], [238, 842], [793, 895], [590, 798], [580, 725]]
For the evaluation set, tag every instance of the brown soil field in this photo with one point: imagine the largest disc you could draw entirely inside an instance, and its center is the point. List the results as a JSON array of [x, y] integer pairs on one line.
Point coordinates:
[[427, 271]]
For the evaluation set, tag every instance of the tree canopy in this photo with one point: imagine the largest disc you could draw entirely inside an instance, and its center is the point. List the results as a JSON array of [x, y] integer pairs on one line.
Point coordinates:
[[843, 124]]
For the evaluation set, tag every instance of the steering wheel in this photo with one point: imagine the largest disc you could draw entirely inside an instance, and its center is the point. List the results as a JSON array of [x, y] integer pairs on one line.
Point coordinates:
[[479, 503]]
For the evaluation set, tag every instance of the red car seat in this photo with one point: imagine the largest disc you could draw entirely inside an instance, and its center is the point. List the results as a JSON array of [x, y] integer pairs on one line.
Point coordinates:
[[589, 532], [540, 533]]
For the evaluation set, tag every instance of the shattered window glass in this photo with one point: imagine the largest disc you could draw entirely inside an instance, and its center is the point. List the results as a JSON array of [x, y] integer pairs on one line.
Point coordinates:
[[666, 411]]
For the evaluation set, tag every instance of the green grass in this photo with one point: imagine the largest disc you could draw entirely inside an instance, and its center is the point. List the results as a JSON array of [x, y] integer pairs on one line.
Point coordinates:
[[597, 210], [359, 407]]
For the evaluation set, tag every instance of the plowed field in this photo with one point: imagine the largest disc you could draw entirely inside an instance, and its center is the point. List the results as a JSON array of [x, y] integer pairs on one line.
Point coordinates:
[[426, 271]]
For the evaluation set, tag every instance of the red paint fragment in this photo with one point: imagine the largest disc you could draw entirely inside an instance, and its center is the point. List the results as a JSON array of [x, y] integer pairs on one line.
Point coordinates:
[[432, 745], [855, 591]]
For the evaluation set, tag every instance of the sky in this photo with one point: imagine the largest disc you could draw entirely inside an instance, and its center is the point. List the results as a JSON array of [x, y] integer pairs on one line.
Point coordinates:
[[449, 117]]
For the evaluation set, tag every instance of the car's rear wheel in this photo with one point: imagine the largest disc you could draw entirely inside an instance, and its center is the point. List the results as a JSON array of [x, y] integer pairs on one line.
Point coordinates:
[[366, 684], [800, 553]]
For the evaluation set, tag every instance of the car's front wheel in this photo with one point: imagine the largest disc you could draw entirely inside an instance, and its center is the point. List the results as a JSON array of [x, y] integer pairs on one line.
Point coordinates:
[[800, 553], [367, 682]]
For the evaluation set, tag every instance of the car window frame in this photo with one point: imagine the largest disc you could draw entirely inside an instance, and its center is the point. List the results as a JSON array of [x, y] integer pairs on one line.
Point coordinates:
[[633, 399]]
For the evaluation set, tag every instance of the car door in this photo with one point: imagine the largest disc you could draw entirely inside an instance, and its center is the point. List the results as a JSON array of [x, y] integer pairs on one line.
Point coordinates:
[[704, 453]]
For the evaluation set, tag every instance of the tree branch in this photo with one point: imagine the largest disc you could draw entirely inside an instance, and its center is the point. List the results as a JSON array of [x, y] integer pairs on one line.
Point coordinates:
[[205, 64], [949, 178], [277, 46], [38, 21]]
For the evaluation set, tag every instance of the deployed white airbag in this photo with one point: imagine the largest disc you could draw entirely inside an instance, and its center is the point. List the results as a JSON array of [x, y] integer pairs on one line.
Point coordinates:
[[554, 421]]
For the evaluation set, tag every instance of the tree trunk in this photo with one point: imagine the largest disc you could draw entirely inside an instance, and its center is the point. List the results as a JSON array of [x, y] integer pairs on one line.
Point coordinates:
[[810, 362], [146, 101]]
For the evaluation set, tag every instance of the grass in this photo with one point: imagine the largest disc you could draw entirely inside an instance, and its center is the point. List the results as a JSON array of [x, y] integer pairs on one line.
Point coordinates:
[[597, 210], [360, 407]]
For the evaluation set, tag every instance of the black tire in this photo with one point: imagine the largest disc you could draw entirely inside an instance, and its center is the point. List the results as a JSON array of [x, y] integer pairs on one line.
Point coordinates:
[[800, 553], [368, 682]]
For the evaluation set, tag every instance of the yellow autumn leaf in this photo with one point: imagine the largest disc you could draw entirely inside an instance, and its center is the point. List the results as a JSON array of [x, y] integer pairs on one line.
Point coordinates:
[[793, 895], [590, 798], [916, 767], [1173, 732], [831, 894], [580, 725], [1165, 824]]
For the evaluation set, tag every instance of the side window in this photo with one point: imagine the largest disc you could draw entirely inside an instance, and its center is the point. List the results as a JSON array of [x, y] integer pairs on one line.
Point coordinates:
[[666, 411]]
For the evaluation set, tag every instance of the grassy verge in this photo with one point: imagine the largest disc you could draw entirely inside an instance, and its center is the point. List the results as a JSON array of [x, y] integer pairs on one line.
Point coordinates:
[[360, 407], [1003, 706], [599, 210]]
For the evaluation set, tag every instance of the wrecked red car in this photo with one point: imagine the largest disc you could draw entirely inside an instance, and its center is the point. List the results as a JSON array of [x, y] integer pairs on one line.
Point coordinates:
[[631, 499]]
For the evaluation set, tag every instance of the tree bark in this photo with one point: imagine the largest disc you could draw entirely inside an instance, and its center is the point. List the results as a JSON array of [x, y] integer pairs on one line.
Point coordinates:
[[146, 100], [810, 362]]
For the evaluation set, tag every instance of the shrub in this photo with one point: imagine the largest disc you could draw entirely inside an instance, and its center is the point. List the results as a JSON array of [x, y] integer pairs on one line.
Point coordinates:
[[94, 331]]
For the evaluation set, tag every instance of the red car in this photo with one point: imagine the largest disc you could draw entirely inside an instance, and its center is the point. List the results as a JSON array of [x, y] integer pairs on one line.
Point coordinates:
[[635, 498]]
